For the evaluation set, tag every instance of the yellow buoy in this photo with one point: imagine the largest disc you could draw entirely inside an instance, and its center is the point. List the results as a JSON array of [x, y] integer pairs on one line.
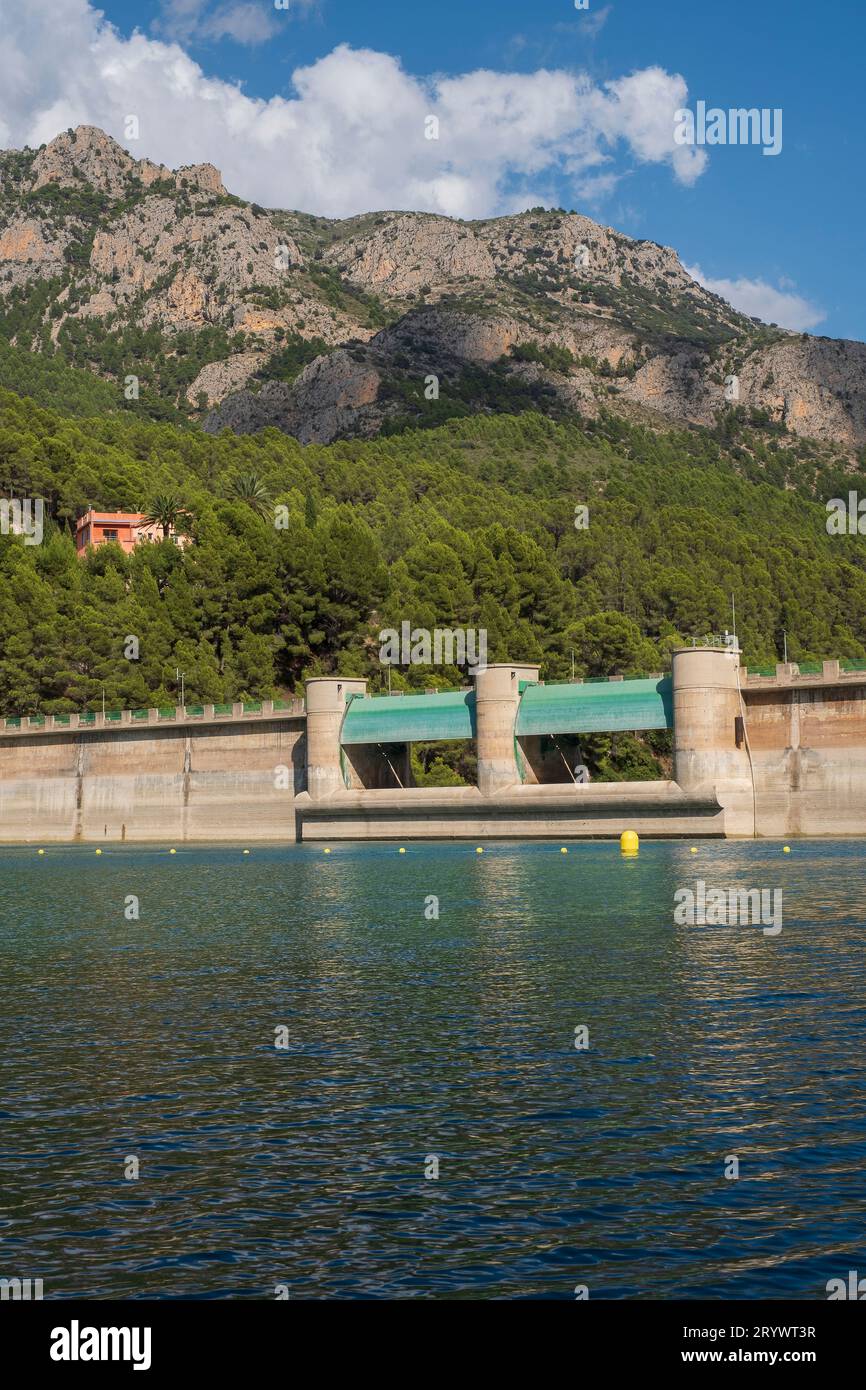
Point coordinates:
[[479, 850], [692, 850], [327, 851], [40, 851], [629, 842], [172, 851], [246, 851], [786, 849], [401, 850], [99, 851], [563, 850]]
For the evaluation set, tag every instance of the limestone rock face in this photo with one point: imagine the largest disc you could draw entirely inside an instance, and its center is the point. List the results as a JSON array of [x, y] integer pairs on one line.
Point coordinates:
[[219, 379], [88, 156], [412, 250], [341, 393], [23, 242], [440, 333], [333, 396], [576, 245], [449, 332], [329, 396], [193, 269], [815, 386], [675, 386], [204, 177], [163, 246], [347, 321]]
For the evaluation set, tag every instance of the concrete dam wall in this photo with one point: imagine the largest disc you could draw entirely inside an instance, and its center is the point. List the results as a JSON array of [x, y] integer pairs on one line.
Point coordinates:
[[781, 754], [784, 753], [203, 779]]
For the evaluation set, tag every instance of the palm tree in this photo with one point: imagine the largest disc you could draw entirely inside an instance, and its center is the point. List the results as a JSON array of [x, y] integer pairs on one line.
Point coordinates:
[[249, 488], [166, 510]]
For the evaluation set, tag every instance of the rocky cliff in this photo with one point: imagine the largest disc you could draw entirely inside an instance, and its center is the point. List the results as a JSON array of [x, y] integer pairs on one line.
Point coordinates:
[[327, 329]]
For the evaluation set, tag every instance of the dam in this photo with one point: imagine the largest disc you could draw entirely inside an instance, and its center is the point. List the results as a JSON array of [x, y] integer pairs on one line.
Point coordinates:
[[775, 753]]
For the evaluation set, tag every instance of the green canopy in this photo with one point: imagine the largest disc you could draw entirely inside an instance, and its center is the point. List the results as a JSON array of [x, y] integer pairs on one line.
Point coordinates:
[[596, 707], [410, 718]]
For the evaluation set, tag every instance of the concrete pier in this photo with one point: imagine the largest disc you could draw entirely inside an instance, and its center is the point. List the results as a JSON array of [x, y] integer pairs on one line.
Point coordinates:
[[709, 757], [497, 695], [327, 698]]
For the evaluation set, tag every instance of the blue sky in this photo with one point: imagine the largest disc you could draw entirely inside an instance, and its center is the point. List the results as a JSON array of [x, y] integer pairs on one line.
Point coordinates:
[[592, 89]]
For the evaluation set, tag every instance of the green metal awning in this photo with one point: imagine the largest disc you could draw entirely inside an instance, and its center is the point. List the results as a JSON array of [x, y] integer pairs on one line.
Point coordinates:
[[410, 718], [596, 707]]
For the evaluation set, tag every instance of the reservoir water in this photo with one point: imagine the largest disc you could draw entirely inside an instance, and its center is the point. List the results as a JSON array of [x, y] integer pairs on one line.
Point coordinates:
[[415, 1042]]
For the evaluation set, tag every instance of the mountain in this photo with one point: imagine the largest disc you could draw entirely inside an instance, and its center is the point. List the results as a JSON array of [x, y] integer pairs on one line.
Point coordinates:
[[599, 383], [241, 317]]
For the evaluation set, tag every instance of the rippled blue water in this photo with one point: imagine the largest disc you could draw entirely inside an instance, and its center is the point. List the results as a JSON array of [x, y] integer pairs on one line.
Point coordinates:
[[411, 1037]]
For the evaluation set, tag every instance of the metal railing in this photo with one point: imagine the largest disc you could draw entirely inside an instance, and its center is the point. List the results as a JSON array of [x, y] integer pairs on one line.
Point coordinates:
[[118, 719]]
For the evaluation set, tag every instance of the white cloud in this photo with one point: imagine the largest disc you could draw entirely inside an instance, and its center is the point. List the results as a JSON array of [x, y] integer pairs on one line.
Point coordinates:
[[597, 187], [350, 136], [244, 21], [638, 108], [763, 301], [178, 19], [593, 21]]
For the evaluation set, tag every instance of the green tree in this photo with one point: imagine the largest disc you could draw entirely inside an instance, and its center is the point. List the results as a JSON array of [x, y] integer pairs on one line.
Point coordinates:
[[249, 488], [165, 509]]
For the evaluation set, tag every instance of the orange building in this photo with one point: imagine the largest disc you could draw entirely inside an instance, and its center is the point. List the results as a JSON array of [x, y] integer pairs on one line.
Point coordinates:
[[126, 529]]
